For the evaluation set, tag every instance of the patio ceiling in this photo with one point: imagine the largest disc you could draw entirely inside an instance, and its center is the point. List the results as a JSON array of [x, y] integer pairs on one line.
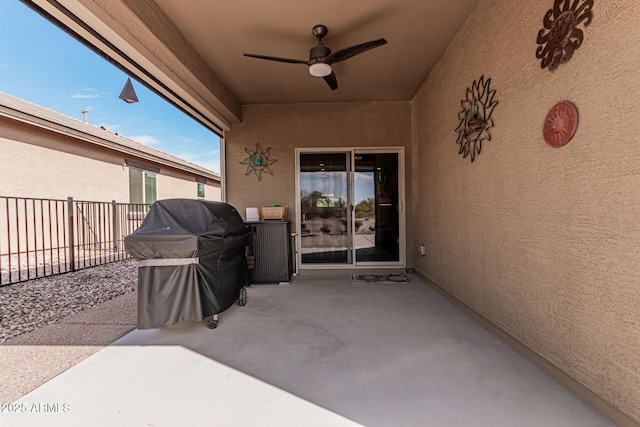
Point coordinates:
[[207, 38], [417, 31]]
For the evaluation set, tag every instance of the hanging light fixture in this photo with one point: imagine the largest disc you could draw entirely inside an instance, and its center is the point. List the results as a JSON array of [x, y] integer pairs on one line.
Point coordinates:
[[320, 69], [128, 94]]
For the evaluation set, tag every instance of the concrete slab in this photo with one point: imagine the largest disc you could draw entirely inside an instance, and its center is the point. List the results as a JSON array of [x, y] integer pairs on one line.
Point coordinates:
[[25, 367], [162, 386], [121, 310], [378, 355], [29, 360], [72, 334]]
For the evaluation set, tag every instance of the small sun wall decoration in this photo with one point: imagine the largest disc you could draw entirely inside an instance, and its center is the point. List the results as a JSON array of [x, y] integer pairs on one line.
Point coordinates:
[[258, 161], [475, 118], [561, 124]]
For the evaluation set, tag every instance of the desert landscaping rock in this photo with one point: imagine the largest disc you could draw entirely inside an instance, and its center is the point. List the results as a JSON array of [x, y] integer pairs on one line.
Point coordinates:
[[28, 305]]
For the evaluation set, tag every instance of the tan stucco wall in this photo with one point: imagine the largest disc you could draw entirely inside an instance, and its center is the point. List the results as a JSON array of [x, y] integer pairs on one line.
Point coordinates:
[[283, 128], [213, 192], [543, 242], [171, 187], [36, 163], [39, 172]]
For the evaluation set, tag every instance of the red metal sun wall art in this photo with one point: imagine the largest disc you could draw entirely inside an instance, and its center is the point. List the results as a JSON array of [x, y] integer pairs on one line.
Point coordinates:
[[560, 124]]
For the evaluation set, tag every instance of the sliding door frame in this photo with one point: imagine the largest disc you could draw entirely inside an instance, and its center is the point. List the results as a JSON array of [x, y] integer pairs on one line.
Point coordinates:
[[401, 263]]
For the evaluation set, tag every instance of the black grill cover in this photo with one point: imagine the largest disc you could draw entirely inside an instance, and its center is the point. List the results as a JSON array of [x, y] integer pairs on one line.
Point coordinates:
[[191, 257]]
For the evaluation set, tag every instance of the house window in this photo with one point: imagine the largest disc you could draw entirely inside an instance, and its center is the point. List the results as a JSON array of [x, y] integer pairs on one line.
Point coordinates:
[[143, 188], [200, 190], [150, 187]]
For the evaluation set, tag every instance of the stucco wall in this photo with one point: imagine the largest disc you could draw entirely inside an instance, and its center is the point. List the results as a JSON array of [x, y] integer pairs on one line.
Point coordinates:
[[33, 171], [170, 187], [36, 163], [213, 192], [283, 128], [543, 242]]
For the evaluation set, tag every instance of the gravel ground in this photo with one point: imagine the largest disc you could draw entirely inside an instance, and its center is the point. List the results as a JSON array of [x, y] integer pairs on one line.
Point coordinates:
[[28, 305]]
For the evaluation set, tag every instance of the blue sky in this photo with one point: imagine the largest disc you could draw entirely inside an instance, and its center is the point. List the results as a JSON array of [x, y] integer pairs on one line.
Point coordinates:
[[44, 65]]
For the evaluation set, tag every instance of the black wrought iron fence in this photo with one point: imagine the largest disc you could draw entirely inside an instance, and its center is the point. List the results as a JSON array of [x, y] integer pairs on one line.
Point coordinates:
[[44, 237]]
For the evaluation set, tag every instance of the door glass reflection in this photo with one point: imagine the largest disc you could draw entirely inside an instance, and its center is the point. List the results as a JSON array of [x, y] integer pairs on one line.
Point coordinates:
[[324, 208]]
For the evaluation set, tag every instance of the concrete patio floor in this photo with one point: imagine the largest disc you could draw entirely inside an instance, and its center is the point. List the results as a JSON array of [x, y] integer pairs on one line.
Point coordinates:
[[320, 351]]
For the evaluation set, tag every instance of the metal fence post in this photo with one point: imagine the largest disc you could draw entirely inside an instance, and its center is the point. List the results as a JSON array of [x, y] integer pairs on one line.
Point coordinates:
[[72, 252], [114, 208]]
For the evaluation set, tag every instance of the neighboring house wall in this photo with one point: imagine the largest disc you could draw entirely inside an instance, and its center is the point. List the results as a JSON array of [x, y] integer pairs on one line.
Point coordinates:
[[171, 187], [544, 242], [60, 157], [39, 172]]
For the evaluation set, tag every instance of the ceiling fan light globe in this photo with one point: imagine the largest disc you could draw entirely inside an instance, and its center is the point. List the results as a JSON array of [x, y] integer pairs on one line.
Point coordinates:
[[320, 69]]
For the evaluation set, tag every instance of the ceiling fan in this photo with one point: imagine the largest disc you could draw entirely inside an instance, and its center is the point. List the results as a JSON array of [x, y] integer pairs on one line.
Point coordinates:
[[321, 58]]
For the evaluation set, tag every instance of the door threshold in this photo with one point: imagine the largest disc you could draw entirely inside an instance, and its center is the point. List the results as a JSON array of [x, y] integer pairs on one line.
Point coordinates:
[[349, 270]]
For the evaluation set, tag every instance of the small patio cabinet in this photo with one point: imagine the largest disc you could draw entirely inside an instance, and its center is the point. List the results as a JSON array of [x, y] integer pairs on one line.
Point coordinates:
[[270, 243]]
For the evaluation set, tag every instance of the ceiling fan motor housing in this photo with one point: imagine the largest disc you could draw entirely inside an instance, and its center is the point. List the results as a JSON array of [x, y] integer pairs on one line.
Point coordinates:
[[318, 68], [317, 52]]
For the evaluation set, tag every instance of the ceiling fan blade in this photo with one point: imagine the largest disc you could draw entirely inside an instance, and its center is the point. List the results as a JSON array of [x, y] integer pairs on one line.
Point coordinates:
[[331, 80], [348, 52], [274, 58]]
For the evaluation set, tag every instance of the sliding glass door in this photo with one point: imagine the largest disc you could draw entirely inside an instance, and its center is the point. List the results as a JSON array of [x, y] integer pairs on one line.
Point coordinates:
[[350, 208], [325, 216], [376, 222]]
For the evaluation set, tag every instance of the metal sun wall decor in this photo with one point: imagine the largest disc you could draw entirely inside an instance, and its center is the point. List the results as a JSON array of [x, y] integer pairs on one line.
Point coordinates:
[[258, 161], [475, 118], [561, 36]]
